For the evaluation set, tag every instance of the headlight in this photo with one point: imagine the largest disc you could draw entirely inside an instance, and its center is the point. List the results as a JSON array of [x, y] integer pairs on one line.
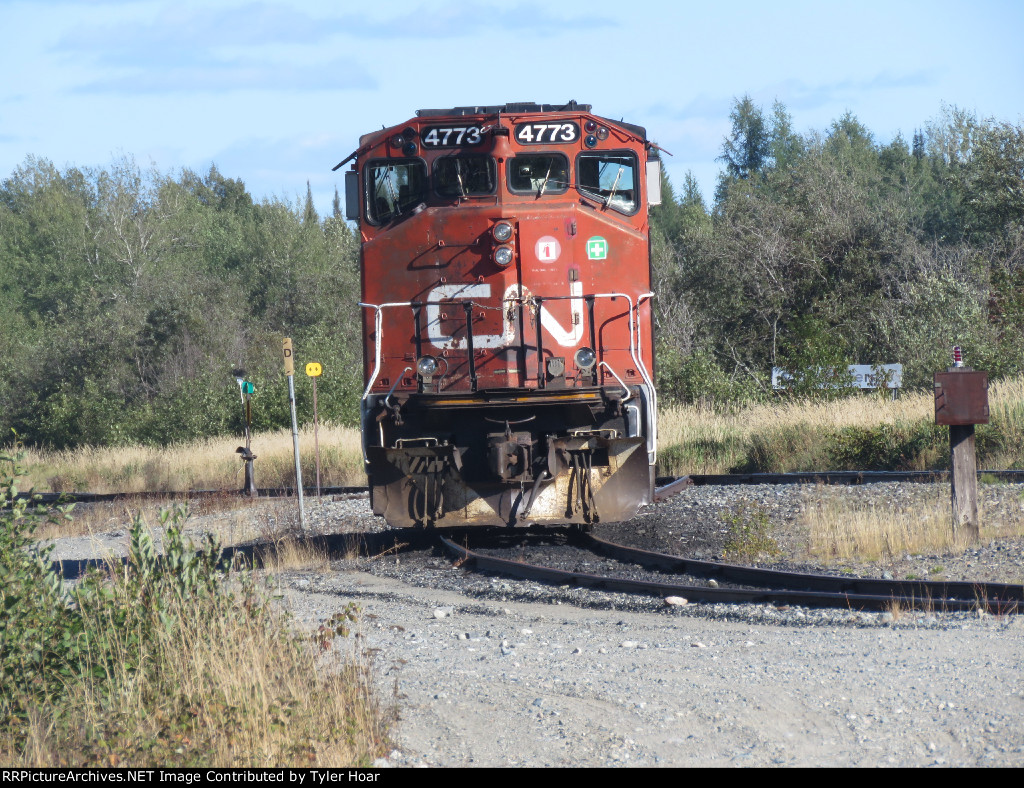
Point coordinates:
[[426, 366], [502, 231], [585, 359], [503, 255]]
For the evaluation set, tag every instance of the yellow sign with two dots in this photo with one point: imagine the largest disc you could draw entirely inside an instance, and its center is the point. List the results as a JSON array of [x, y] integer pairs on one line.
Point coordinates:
[[314, 370]]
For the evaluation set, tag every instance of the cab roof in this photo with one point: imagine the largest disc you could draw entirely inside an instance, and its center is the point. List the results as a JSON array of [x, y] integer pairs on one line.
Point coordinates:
[[524, 107]]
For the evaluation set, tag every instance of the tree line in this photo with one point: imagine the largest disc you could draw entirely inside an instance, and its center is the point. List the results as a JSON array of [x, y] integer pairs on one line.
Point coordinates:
[[128, 296], [830, 248]]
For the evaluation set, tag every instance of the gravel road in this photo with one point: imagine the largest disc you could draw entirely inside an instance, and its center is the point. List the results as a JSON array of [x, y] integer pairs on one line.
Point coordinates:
[[491, 671]]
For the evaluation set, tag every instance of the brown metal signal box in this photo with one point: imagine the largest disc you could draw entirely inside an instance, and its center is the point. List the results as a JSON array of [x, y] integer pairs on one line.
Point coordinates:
[[961, 397]]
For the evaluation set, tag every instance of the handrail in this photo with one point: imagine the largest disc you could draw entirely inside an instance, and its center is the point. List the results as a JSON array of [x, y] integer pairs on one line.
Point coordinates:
[[635, 343], [629, 394], [378, 330], [387, 399], [653, 450]]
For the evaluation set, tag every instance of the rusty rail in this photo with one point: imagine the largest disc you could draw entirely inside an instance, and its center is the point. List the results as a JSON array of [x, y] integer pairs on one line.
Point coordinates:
[[779, 588]]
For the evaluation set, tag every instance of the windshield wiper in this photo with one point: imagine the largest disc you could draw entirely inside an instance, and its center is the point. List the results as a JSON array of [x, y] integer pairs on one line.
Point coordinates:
[[544, 185], [391, 192], [458, 176], [615, 186]]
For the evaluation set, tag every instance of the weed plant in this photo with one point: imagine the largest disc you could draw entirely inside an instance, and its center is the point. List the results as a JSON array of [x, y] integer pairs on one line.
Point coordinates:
[[168, 659], [749, 532]]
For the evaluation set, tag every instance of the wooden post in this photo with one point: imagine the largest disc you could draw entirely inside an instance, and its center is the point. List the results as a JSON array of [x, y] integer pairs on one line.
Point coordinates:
[[964, 481], [961, 401]]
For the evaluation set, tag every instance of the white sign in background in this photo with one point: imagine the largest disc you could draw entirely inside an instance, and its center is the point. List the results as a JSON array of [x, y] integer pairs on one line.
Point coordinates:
[[862, 376]]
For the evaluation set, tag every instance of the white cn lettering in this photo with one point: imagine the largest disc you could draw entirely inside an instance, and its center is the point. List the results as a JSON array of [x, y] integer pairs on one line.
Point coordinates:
[[512, 295], [475, 291], [572, 337]]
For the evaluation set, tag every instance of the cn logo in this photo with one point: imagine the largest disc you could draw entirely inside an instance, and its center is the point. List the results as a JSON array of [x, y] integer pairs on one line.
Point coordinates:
[[513, 295], [548, 249]]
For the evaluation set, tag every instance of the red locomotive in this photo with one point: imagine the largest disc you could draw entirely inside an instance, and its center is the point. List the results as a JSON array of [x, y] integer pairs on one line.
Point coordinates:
[[506, 315]]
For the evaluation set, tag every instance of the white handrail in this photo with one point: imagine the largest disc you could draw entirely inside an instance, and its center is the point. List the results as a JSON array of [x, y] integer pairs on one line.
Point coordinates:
[[635, 349], [378, 329]]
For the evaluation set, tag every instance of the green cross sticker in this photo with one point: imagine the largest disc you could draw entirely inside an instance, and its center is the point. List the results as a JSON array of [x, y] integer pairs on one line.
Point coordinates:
[[597, 248]]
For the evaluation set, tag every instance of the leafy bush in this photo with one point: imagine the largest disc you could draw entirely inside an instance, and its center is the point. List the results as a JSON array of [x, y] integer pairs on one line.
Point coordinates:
[[39, 636], [167, 659], [889, 447], [698, 379], [53, 635]]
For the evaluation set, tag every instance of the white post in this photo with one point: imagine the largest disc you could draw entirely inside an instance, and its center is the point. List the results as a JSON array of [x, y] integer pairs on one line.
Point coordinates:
[[289, 370]]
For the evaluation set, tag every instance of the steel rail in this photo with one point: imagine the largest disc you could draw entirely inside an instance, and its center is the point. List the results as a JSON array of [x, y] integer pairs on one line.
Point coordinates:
[[806, 598], [830, 477], [774, 578], [668, 486], [51, 499]]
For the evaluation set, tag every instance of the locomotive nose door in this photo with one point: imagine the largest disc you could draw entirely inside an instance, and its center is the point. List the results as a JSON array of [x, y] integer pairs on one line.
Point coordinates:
[[551, 277]]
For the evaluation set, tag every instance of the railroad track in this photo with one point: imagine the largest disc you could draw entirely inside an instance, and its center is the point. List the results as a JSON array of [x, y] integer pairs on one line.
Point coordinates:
[[52, 499], [731, 583], [747, 584], [667, 486]]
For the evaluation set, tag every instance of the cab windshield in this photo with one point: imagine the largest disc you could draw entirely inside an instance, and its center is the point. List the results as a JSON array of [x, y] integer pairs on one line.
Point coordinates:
[[610, 178], [394, 187], [539, 173], [461, 176]]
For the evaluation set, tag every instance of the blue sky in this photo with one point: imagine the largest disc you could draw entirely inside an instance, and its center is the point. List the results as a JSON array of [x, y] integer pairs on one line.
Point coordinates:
[[277, 92]]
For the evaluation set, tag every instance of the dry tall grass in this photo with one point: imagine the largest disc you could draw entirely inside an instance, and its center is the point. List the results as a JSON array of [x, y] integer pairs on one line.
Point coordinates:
[[692, 439], [291, 554], [696, 439], [713, 440], [838, 529], [227, 695], [209, 464]]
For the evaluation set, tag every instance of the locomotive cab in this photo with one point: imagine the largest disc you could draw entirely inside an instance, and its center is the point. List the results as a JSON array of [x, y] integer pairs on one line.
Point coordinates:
[[506, 316]]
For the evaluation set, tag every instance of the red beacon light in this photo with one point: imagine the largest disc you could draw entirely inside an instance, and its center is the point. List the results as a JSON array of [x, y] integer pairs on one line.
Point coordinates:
[[958, 357]]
